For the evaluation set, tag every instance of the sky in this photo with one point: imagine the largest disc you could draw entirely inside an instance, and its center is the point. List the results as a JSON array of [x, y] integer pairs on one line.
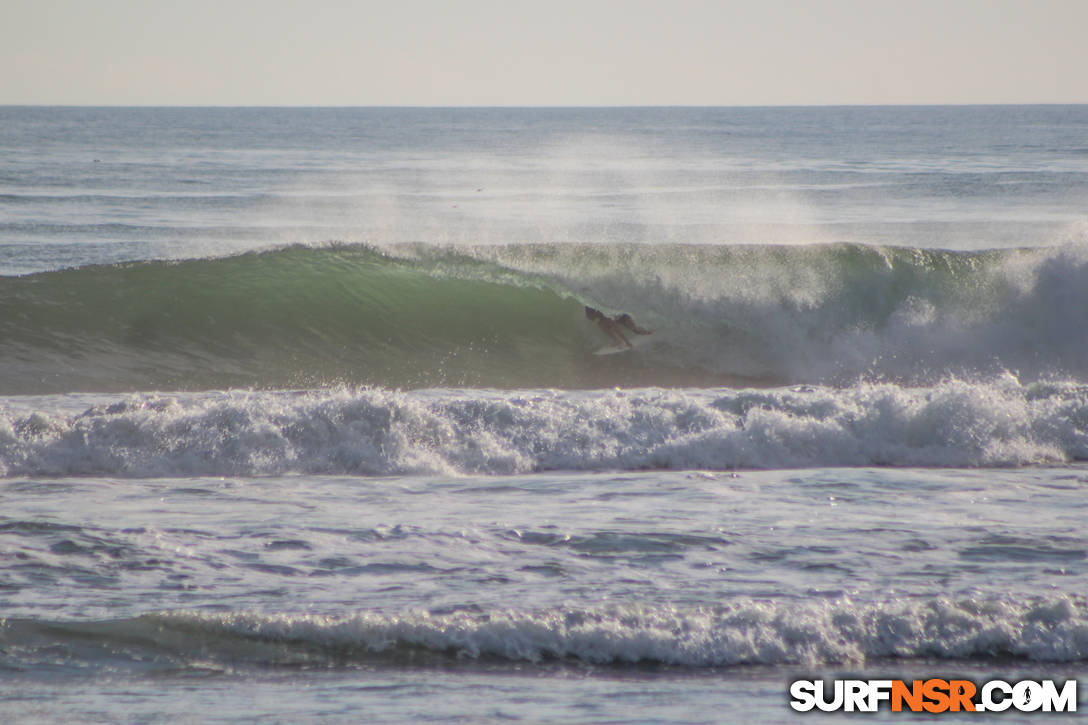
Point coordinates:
[[542, 53]]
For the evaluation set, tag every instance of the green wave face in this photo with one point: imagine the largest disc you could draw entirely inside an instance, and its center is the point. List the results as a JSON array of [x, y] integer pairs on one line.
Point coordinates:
[[512, 316], [292, 317]]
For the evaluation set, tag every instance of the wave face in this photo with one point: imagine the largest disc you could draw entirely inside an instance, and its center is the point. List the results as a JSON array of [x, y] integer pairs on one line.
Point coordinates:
[[511, 317], [752, 633], [379, 432]]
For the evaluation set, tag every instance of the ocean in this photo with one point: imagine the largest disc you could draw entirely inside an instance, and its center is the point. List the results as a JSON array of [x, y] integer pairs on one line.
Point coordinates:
[[302, 419]]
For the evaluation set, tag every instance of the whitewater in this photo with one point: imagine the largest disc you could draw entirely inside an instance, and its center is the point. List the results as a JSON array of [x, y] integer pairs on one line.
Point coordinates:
[[301, 416]]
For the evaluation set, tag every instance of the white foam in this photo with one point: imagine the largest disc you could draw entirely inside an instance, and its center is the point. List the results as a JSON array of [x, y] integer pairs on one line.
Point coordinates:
[[834, 313], [1000, 422], [745, 633]]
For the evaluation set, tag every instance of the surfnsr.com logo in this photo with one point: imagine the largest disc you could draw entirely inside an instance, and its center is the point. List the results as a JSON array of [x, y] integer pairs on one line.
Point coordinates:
[[933, 696]]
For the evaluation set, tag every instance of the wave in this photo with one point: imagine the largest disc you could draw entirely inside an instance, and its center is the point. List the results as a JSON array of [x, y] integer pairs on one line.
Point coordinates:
[[450, 432], [417, 316], [1051, 629]]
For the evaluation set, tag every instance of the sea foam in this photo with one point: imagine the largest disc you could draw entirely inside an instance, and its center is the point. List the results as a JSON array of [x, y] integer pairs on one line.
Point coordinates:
[[762, 633], [1000, 422], [813, 633]]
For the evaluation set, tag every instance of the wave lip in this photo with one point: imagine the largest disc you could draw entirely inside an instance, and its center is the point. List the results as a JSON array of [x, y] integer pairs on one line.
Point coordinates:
[[1053, 629], [451, 432]]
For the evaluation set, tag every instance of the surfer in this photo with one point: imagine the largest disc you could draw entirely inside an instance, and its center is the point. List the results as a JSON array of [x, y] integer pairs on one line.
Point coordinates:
[[612, 325]]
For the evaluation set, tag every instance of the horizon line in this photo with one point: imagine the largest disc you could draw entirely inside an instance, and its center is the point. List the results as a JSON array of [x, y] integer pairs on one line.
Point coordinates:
[[542, 106]]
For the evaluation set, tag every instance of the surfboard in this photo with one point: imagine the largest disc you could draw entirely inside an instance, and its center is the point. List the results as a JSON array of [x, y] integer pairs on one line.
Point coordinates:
[[636, 342]]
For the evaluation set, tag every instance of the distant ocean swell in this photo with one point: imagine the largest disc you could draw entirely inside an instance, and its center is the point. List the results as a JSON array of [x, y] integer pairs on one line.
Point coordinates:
[[1002, 422], [419, 316], [1053, 629]]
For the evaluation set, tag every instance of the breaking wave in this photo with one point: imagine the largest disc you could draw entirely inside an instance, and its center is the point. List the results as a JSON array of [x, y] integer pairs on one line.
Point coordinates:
[[1001, 422], [1053, 629], [420, 316]]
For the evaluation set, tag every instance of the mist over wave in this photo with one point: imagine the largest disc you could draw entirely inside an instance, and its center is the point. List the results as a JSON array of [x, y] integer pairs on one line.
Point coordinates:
[[836, 313], [418, 316]]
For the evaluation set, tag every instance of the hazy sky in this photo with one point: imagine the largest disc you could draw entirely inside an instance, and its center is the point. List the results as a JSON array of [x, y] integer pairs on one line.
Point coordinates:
[[545, 52]]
